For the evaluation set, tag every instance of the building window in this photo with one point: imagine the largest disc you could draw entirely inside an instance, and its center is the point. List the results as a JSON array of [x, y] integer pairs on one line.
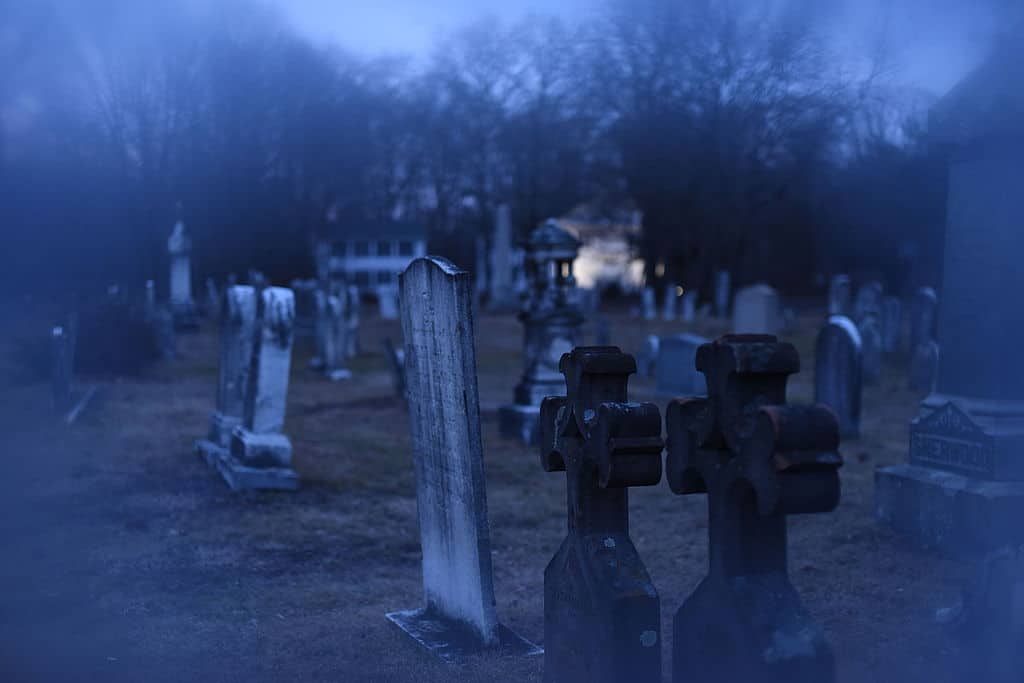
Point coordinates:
[[362, 248], [384, 277], [405, 248], [383, 248], [362, 278]]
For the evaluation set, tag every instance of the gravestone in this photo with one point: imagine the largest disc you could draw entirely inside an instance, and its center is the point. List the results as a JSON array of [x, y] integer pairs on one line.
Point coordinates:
[[689, 306], [756, 310], [183, 307], [840, 293], [237, 332], [551, 326], [648, 304], [213, 299], [923, 316], [871, 349], [502, 295], [676, 367], [387, 300], [838, 372], [444, 412], [335, 344], [307, 308], [320, 314], [962, 490], [260, 455], [868, 301], [723, 293], [891, 324], [602, 620], [671, 303], [397, 358], [647, 359], [924, 367], [352, 315], [759, 460]]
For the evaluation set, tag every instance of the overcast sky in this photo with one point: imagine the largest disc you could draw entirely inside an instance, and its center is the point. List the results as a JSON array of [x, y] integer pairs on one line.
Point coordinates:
[[933, 41]]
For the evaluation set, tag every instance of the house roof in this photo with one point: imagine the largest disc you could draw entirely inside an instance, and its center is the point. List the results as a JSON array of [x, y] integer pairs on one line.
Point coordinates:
[[344, 231], [988, 103]]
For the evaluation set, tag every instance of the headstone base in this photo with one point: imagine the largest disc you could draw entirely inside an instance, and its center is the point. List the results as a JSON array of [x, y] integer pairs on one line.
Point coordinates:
[[452, 642], [209, 451], [271, 449], [338, 374], [242, 478], [520, 422], [951, 512], [221, 427]]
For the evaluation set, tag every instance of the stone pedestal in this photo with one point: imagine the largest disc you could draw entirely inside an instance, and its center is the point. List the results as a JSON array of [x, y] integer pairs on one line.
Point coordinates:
[[963, 488], [551, 327]]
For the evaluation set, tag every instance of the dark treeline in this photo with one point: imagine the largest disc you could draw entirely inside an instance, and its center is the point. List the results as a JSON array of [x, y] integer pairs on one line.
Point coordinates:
[[743, 141]]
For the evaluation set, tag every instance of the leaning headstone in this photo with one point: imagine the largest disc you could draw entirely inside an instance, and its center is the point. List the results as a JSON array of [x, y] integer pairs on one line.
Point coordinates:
[[387, 300], [261, 455], [689, 306], [723, 293], [648, 304], [551, 326], [868, 301], [757, 310], [871, 349], [183, 307], [444, 412], [924, 367], [891, 324], [238, 325], [671, 303], [923, 316], [676, 368], [602, 614], [840, 294], [759, 460], [838, 372]]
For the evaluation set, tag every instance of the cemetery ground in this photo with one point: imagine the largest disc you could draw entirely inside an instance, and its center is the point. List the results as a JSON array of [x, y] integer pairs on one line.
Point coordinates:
[[127, 558]]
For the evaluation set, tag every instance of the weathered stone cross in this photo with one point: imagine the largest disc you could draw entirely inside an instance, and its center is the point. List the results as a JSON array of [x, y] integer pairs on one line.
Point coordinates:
[[601, 611], [758, 460]]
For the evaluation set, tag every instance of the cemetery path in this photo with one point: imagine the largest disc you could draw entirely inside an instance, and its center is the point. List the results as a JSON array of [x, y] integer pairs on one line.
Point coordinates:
[[125, 558]]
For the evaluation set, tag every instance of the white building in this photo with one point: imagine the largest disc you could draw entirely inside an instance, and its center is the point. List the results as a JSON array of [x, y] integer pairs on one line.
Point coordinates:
[[371, 254]]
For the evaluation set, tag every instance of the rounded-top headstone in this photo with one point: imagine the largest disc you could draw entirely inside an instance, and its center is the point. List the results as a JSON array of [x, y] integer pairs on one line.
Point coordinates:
[[838, 372]]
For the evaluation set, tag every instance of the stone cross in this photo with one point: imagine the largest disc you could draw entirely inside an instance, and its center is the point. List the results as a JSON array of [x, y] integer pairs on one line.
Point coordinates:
[[602, 618], [839, 295], [723, 292], [838, 373], [260, 455], [671, 303], [437, 322], [647, 302], [238, 325], [758, 459]]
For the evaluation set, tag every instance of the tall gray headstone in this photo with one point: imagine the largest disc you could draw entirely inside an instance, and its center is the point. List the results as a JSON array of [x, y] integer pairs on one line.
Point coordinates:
[[502, 280], [352, 316], [689, 310], [923, 317], [840, 294], [963, 487], [676, 367], [440, 363], [838, 372], [924, 367], [723, 293], [183, 306], [260, 455], [238, 325], [757, 310], [871, 348], [671, 303], [335, 343]]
